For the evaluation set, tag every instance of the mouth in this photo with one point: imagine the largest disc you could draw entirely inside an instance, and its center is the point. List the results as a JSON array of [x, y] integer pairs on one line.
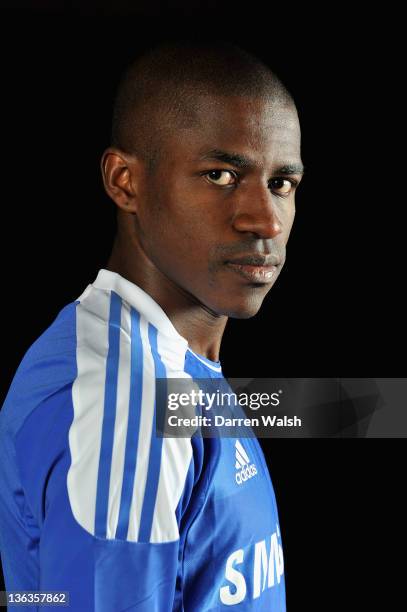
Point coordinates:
[[255, 268], [256, 259]]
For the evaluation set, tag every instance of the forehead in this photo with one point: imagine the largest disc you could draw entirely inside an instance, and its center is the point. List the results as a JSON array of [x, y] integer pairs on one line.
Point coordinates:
[[267, 131]]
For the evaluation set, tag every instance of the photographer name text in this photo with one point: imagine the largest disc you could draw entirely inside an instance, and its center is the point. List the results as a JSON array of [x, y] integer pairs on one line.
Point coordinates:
[[221, 421]]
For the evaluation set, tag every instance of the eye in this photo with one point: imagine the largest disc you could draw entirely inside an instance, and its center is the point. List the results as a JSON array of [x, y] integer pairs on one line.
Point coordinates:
[[281, 185], [221, 177]]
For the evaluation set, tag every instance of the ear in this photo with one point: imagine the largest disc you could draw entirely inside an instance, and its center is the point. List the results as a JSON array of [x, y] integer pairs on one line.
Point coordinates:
[[122, 174]]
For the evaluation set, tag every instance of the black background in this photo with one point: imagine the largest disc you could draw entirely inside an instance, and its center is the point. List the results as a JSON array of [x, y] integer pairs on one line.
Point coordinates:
[[336, 308]]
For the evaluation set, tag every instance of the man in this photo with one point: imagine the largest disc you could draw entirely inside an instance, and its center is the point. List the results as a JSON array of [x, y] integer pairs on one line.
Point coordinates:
[[203, 167]]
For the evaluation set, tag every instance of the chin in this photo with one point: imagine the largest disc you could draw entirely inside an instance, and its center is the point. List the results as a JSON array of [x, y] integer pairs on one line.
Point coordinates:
[[243, 308]]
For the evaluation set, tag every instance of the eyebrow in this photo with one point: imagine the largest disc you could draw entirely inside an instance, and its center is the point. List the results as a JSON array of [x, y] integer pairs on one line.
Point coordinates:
[[241, 161]]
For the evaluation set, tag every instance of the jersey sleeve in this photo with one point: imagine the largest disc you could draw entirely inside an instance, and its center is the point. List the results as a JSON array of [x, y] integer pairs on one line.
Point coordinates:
[[109, 502], [95, 503]]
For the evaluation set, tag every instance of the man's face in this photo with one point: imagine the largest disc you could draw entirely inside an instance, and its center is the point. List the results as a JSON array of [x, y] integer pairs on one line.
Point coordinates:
[[222, 200]]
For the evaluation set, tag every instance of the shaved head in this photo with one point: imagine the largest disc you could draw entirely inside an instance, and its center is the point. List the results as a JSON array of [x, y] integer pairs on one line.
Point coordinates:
[[163, 90]]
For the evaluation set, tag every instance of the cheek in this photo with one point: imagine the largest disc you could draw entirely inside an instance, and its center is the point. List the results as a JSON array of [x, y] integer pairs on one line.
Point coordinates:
[[287, 218], [290, 222], [187, 217], [183, 227], [177, 237]]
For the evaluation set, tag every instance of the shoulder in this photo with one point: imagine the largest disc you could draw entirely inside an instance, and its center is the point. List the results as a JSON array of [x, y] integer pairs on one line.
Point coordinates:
[[86, 389], [48, 366], [124, 482]]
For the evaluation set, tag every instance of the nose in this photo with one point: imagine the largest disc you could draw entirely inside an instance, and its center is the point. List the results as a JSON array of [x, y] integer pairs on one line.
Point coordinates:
[[256, 212]]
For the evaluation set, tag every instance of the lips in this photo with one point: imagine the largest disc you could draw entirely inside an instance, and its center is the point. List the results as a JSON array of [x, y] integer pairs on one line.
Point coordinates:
[[255, 260], [255, 268]]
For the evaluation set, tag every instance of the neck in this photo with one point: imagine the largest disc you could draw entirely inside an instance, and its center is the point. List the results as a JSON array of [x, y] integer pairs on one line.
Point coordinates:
[[202, 328]]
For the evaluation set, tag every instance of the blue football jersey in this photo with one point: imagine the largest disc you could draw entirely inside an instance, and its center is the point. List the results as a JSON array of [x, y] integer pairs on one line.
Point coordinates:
[[94, 503]]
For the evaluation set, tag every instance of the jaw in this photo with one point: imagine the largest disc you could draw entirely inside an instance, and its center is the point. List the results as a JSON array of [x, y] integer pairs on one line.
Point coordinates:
[[242, 305]]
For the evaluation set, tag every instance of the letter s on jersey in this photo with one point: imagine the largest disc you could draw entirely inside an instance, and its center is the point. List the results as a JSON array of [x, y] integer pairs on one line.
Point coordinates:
[[236, 578], [266, 569]]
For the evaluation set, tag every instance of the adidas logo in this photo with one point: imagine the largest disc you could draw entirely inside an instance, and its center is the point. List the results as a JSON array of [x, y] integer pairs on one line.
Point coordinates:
[[245, 469]]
